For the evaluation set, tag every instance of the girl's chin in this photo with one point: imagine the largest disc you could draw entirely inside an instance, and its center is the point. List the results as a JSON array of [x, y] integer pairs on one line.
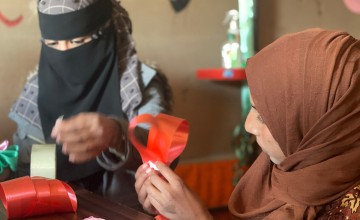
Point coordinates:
[[275, 161]]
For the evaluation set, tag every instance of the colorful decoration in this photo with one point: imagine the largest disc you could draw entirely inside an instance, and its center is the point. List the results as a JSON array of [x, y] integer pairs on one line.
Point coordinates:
[[4, 145], [8, 156], [25, 196]]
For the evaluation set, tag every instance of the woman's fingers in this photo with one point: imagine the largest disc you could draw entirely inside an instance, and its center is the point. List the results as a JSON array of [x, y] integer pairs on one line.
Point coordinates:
[[149, 207], [140, 187], [86, 135], [76, 129]]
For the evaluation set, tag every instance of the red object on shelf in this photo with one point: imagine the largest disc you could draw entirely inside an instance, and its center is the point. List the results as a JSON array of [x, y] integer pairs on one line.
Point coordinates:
[[221, 74]]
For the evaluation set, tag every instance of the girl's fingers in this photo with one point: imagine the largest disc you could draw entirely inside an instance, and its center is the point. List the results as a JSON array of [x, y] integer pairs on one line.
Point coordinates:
[[167, 173], [149, 207]]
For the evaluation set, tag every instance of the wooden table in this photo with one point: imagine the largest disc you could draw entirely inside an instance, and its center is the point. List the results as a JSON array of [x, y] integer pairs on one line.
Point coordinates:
[[90, 204]]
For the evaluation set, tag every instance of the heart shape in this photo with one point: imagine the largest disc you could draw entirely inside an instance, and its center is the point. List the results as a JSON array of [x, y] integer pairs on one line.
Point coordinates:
[[166, 140]]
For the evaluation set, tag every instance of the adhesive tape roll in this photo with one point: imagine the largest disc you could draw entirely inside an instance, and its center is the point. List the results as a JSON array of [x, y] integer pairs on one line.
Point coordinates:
[[43, 160]]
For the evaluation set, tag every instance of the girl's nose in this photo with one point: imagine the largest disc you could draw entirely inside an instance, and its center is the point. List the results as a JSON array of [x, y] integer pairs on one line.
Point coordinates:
[[251, 123]]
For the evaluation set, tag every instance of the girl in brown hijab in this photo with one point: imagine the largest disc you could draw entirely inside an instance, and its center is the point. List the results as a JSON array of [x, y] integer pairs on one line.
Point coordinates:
[[305, 95]]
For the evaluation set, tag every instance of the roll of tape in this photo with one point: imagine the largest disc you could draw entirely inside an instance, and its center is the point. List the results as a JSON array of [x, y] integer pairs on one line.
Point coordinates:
[[43, 160]]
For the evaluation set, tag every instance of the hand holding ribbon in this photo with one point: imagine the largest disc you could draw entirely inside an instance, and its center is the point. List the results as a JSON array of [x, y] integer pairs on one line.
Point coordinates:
[[8, 156], [166, 140], [25, 196]]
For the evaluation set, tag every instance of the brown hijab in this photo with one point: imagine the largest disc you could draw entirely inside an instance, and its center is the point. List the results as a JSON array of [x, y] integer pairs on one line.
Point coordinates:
[[306, 87]]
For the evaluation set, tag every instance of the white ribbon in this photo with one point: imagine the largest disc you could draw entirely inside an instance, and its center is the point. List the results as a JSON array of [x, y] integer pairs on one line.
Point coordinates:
[[43, 161]]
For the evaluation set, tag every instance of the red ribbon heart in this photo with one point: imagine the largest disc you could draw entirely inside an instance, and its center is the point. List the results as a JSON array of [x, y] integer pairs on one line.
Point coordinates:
[[25, 196], [166, 140]]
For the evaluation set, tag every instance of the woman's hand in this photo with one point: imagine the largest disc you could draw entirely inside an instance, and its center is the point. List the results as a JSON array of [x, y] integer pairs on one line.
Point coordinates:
[[86, 135], [165, 192]]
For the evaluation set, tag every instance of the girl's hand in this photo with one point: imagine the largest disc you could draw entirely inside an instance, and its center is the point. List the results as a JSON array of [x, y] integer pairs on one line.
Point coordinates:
[[168, 194]]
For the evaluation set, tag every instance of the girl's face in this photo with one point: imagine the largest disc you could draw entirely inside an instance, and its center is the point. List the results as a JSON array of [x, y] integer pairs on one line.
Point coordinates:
[[256, 126]]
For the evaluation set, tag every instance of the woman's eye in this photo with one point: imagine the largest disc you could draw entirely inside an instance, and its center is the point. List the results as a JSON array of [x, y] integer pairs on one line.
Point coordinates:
[[258, 117], [51, 43], [78, 41]]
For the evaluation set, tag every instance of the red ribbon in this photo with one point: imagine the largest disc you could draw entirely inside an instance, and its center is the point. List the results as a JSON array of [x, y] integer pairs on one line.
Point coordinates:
[[166, 140], [25, 196], [10, 23]]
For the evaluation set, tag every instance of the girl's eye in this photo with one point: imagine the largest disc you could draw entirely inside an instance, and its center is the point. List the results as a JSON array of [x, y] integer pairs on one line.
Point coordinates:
[[260, 119], [78, 41], [51, 43]]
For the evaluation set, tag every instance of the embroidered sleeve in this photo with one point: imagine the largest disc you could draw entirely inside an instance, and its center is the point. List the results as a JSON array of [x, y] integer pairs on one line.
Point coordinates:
[[345, 208]]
